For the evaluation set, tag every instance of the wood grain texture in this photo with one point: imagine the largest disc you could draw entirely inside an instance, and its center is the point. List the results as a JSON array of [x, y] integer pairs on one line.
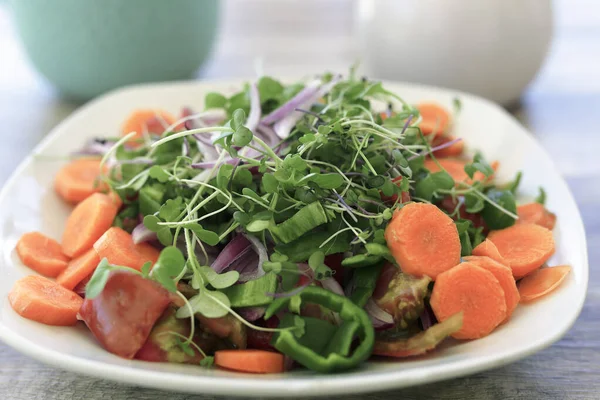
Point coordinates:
[[561, 108]]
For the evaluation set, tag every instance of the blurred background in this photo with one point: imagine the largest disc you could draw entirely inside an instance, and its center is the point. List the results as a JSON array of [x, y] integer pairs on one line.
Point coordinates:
[[538, 58]]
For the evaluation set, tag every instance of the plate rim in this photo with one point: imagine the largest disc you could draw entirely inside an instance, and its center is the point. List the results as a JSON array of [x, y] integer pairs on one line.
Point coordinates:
[[244, 384]]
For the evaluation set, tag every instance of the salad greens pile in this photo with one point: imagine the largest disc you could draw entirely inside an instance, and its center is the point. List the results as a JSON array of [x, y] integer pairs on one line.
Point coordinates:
[[257, 190]]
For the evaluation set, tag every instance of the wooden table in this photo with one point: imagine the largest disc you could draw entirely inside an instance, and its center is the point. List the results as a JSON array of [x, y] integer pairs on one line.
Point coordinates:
[[562, 108]]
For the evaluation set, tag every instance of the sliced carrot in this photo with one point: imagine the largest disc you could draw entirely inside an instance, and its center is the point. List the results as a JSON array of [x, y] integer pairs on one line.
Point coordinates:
[[542, 282], [505, 278], [78, 180], [42, 254], [150, 121], [253, 361], [454, 150], [454, 167], [117, 246], [40, 299], [524, 247], [115, 199], [423, 240], [536, 213], [78, 269], [487, 248], [88, 221], [474, 291], [435, 118]]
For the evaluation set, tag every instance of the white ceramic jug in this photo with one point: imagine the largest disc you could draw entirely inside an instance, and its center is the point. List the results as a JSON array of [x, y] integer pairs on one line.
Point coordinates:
[[492, 48]]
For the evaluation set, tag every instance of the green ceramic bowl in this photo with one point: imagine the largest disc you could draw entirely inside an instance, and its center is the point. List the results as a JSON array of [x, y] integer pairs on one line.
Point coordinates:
[[86, 47]]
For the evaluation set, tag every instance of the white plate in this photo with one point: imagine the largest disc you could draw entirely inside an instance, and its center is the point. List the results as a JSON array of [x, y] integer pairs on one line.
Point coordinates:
[[28, 202]]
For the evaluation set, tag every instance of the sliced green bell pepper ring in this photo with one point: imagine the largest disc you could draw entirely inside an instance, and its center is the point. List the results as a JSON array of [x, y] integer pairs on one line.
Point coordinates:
[[336, 354]]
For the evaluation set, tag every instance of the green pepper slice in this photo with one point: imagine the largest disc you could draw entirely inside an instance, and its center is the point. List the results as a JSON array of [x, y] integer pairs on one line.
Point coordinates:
[[335, 354]]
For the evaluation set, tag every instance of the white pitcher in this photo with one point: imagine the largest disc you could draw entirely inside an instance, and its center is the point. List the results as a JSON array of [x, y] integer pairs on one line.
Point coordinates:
[[492, 48]]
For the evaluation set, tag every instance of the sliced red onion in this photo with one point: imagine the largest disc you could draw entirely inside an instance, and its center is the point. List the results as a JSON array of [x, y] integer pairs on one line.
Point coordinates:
[[333, 286], [234, 250], [427, 317], [245, 254], [141, 234], [297, 101], [380, 319], [284, 126], [261, 251], [94, 147], [436, 148], [251, 313], [254, 114], [268, 134], [185, 148]]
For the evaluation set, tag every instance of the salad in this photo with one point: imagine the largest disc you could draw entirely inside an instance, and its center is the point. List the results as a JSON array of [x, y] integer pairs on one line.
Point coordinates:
[[315, 224]]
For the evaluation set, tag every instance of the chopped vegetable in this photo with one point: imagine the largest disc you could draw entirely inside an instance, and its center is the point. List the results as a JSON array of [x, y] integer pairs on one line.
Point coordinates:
[[536, 213], [423, 240], [487, 248], [42, 300], [118, 248], [78, 180], [123, 314], [435, 118], [474, 291], [78, 269], [88, 221], [420, 343], [252, 361], [541, 282], [504, 276], [524, 247], [42, 254]]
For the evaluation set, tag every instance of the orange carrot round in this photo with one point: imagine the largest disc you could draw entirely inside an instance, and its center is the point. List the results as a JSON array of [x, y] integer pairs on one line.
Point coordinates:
[[117, 246], [253, 361], [454, 150], [42, 254], [42, 300], [474, 291], [423, 240], [542, 282], [78, 269], [536, 213], [505, 278], [524, 247], [88, 221], [78, 180], [487, 248], [150, 121], [435, 118]]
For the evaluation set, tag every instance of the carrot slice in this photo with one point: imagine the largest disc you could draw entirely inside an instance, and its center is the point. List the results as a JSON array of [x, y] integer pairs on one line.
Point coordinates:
[[40, 299], [505, 278], [150, 121], [474, 291], [253, 361], [536, 213], [117, 246], [542, 282], [88, 221], [454, 150], [524, 247], [423, 240], [487, 248], [78, 180], [435, 118], [42, 254], [454, 167], [78, 269]]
